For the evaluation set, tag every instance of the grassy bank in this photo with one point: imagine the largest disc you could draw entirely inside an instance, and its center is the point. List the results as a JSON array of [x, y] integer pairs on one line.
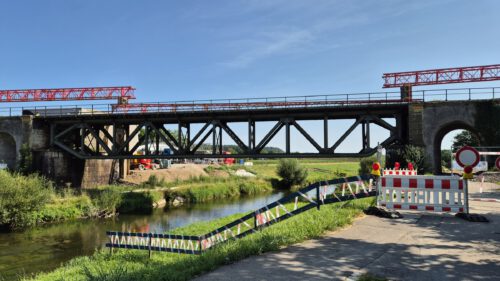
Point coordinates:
[[221, 182], [135, 265], [318, 169], [30, 200], [204, 189]]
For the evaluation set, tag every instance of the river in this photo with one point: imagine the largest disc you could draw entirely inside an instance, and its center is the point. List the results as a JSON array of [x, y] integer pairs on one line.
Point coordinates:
[[44, 248]]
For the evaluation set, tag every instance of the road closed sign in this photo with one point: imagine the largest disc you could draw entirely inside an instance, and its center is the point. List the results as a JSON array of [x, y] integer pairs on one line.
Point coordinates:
[[467, 156]]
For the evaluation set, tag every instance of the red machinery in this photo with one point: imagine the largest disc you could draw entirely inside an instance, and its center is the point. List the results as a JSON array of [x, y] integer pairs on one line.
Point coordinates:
[[66, 94], [442, 76], [228, 161], [143, 164]]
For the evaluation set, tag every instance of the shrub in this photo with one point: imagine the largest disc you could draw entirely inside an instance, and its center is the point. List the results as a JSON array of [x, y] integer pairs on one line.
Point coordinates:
[[68, 208], [26, 159], [365, 165], [153, 181], [291, 172], [141, 202], [446, 158], [21, 197], [107, 200]]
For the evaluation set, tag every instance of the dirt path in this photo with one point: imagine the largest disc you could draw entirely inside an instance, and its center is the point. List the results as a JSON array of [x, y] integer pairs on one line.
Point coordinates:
[[177, 171]]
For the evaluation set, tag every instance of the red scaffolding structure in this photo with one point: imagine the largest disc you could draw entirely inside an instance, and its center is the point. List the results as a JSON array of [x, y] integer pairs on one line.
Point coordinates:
[[442, 76], [68, 94]]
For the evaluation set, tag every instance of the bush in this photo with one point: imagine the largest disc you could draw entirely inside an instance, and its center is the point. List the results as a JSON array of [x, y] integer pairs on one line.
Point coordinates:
[[291, 172], [68, 208], [446, 158], [141, 202], [153, 181], [107, 200], [26, 160], [365, 165], [21, 197]]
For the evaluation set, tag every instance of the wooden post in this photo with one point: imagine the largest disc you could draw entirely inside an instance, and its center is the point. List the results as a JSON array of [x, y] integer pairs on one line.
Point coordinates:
[[255, 226], [149, 246], [200, 238], [318, 202]]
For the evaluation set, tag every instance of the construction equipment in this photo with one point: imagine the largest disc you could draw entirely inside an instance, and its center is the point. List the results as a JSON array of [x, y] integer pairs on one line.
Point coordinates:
[[122, 94], [442, 76]]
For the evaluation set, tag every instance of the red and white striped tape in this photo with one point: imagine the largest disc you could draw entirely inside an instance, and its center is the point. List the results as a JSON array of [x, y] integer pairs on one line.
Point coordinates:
[[423, 182], [420, 207], [392, 172]]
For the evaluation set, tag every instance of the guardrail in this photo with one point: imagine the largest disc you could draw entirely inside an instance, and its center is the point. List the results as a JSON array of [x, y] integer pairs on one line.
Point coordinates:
[[335, 100], [326, 192]]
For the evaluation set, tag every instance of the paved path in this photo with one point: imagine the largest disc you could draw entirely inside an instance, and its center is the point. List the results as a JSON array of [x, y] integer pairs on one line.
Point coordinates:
[[417, 247]]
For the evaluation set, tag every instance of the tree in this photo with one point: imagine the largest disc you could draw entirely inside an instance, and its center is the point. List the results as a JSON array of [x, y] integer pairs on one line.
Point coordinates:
[[446, 158], [408, 154], [291, 172], [462, 139], [25, 164]]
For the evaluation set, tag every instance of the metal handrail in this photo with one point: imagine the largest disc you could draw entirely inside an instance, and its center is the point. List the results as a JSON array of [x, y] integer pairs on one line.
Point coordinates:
[[331, 100]]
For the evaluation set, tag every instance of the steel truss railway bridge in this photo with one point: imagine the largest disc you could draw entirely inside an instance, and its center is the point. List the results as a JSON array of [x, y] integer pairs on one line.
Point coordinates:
[[117, 131]]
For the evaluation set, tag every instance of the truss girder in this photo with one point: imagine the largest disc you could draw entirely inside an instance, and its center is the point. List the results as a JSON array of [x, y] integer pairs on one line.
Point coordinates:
[[121, 139]]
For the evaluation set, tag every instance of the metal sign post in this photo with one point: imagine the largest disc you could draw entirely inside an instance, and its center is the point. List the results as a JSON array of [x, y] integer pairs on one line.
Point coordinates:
[[467, 157], [466, 196]]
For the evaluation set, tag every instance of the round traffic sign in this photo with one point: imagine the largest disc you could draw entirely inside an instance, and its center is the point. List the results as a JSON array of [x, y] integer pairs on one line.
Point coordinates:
[[497, 163], [467, 156]]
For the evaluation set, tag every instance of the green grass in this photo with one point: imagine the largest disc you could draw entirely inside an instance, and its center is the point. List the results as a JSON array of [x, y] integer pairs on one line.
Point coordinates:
[[209, 188], [317, 169], [206, 188], [66, 208], [135, 264]]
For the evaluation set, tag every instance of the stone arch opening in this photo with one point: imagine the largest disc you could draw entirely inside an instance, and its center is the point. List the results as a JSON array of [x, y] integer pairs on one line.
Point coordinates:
[[8, 150], [442, 132]]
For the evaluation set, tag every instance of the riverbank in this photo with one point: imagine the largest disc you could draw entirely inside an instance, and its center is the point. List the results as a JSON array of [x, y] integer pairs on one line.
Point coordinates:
[[45, 247], [135, 265], [29, 200]]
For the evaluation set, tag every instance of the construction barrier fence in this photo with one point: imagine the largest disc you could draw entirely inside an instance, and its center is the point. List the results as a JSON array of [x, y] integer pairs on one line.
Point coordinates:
[[310, 197], [423, 193]]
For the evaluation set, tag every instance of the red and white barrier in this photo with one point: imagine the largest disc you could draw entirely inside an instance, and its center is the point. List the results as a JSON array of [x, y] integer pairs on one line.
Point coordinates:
[[393, 172], [422, 193]]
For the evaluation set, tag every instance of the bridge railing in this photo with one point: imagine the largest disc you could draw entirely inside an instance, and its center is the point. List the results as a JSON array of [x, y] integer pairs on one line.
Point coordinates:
[[336, 100], [310, 197]]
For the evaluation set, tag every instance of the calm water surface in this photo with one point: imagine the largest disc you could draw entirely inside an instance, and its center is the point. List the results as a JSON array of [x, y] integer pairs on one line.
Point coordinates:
[[45, 248]]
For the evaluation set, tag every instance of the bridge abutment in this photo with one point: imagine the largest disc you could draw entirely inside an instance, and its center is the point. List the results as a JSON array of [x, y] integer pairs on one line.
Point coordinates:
[[481, 118], [65, 169]]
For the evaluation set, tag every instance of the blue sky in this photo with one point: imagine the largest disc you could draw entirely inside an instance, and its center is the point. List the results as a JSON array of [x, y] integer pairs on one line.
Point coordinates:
[[183, 50]]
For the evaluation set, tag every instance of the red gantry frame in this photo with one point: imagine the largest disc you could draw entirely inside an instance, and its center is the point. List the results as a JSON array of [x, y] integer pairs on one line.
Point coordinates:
[[68, 94], [442, 76]]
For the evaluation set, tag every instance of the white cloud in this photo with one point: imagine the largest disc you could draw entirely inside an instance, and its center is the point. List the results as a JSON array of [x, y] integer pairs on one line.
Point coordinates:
[[303, 26], [272, 43]]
